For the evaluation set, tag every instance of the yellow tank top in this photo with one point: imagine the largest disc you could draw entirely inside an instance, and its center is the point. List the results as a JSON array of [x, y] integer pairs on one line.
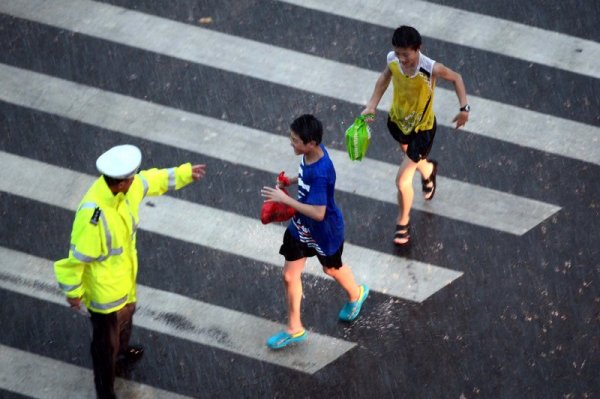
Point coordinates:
[[412, 102]]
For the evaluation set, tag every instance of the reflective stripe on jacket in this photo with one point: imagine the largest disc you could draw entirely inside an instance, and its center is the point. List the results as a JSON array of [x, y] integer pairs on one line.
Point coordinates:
[[102, 262]]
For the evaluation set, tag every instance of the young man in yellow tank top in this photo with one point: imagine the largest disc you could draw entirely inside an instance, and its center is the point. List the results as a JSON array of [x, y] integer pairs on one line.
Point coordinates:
[[411, 120]]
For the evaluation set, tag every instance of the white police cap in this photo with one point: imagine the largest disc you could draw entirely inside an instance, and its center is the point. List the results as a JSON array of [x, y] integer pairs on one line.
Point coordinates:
[[120, 162]]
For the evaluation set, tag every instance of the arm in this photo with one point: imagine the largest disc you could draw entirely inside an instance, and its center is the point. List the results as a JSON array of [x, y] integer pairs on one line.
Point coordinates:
[[69, 273], [159, 181], [380, 87], [448, 74], [86, 246], [316, 212]]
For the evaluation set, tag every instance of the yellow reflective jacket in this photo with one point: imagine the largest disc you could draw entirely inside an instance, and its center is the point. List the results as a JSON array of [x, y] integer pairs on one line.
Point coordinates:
[[102, 263]]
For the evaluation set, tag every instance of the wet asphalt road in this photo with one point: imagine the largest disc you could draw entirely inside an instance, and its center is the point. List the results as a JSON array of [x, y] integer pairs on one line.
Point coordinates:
[[523, 320]]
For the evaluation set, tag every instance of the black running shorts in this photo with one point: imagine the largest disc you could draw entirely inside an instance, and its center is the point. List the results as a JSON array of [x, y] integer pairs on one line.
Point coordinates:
[[292, 250], [419, 143]]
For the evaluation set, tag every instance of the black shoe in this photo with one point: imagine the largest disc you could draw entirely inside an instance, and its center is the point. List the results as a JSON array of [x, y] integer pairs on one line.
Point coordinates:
[[430, 180], [132, 354], [127, 359]]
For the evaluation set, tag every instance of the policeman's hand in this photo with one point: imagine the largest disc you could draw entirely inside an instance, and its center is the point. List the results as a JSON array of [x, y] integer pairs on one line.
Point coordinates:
[[198, 172], [461, 118], [75, 303]]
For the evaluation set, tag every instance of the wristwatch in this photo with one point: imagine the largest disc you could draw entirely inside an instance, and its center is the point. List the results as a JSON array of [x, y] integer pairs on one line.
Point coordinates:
[[466, 108]]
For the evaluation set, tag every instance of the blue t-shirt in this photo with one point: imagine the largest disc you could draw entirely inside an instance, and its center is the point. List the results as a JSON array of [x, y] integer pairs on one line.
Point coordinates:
[[316, 185]]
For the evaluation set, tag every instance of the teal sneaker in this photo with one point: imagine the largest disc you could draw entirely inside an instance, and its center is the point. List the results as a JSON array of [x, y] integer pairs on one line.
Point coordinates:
[[351, 310], [282, 339]]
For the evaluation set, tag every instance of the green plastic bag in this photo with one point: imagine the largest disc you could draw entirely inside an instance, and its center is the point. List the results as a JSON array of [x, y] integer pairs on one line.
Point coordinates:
[[358, 137]]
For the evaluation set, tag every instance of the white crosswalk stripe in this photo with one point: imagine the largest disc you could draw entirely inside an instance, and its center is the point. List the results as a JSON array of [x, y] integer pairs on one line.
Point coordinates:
[[370, 178], [44, 378], [474, 30], [203, 323], [301, 71]]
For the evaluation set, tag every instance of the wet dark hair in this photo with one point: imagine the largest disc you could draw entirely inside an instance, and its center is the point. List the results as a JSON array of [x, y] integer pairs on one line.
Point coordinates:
[[406, 37], [308, 128]]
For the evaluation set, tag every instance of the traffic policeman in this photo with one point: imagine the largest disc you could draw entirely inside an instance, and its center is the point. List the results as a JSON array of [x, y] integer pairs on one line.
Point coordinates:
[[101, 268]]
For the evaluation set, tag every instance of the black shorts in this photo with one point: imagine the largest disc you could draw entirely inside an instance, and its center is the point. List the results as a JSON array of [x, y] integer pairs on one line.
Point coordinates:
[[419, 143], [292, 250]]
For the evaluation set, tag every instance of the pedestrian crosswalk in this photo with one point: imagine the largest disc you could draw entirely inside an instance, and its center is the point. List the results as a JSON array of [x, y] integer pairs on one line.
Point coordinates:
[[45, 378], [176, 315], [300, 71], [371, 178], [470, 29], [411, 277], [393, 275]]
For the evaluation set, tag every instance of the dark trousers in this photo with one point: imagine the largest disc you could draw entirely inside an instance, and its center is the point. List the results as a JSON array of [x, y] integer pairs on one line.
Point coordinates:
[[111, 333]]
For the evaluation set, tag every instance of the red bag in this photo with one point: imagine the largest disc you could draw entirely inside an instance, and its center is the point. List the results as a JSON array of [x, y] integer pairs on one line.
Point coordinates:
[[276, 211]]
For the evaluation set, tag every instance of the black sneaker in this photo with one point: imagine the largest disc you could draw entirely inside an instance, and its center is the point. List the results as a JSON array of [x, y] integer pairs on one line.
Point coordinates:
[[132, 354]]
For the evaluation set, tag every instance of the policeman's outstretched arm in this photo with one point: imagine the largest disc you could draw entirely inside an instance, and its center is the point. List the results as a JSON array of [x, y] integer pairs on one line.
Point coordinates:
[[154, 182]]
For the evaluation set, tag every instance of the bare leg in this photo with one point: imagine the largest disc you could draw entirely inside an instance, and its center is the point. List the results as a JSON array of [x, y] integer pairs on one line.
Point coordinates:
[[292, 279], [345, 278], [404, 183]]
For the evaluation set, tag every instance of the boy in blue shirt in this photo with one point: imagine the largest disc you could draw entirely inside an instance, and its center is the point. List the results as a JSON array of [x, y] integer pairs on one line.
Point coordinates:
[[317, 229]]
